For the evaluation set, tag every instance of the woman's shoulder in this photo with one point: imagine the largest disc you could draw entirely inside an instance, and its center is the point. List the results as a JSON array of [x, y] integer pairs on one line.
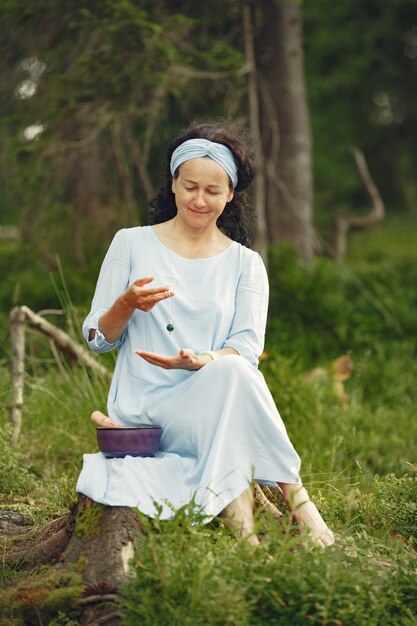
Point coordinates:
[[251, 264], [131, 236], [133, 232], [248, 255]]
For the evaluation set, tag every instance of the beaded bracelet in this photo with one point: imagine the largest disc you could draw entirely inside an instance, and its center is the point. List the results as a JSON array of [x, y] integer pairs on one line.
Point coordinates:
[[210, 353]]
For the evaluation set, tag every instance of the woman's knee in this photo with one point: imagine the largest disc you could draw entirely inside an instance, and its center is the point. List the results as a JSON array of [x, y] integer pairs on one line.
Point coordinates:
[[234, 365]]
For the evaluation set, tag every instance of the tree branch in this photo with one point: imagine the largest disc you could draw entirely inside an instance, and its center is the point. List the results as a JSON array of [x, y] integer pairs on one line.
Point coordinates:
[[189, 72], [346, 222]]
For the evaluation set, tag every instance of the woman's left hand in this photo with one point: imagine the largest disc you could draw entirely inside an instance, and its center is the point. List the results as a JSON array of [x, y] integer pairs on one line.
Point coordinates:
[[186, 359]]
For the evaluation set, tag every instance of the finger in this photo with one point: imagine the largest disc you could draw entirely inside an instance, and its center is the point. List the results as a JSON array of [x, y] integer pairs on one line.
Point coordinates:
[[100, 419], [149, 302], [157, 363], [164, 292], [165, 295], [143, 281], [156, 359], [148, 356]]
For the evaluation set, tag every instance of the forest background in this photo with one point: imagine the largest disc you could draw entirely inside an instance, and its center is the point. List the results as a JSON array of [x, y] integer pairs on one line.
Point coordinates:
[[91, 92]]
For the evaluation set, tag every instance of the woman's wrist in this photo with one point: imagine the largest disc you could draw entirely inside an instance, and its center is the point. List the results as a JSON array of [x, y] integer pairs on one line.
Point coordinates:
[[212, 354], [113, 322], [124, 304]]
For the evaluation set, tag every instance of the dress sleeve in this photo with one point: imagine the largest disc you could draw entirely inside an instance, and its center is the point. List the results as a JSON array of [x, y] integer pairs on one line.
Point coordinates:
[[113, 280], [247, 334]]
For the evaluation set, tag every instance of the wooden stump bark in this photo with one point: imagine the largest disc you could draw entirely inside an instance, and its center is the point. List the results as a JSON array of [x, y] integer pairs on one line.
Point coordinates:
[[89, 551], [104, 539]]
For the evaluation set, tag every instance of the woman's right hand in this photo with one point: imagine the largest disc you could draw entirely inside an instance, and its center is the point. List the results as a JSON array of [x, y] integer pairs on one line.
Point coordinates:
[[137, 296]]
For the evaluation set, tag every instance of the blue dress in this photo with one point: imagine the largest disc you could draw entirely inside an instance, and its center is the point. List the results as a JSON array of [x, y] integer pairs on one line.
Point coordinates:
[[221, 428]]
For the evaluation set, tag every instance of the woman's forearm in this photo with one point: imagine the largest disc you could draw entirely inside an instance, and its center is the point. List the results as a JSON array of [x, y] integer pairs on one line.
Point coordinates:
[[113, 322]]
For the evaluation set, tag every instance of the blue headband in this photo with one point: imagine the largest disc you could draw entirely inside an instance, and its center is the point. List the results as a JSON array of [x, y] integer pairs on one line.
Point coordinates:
[[195, 148]]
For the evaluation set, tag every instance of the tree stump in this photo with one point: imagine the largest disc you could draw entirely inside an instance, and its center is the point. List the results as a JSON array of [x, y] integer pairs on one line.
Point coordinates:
[[89, 550], [104, 539]]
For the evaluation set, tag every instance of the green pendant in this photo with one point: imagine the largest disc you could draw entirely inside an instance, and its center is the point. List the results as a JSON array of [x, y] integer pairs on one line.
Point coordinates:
[[170, 327]]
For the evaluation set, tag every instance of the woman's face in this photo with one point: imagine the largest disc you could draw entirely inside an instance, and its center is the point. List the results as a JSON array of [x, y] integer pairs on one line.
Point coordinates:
[[201, 191]]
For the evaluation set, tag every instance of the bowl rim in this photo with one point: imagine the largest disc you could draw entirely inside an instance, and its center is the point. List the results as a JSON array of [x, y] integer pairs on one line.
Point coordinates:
[[138, 427]]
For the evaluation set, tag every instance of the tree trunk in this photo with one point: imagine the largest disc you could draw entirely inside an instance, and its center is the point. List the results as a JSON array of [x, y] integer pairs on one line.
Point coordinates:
[[261, 239], [285, 126]]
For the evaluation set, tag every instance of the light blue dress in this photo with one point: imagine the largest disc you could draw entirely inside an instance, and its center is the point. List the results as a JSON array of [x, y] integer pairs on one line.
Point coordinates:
[[221, 428]]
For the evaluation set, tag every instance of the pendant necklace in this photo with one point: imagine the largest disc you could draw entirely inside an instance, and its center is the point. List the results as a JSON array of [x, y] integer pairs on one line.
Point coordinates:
[[170, 326]]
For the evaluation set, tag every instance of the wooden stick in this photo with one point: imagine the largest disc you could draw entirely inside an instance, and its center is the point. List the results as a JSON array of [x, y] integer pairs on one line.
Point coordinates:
[[20, 317], [265, 503], [17, 338]]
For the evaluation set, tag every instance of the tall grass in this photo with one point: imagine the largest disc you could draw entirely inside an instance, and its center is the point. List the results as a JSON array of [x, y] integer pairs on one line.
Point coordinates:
[[186, 573], [358, 461]]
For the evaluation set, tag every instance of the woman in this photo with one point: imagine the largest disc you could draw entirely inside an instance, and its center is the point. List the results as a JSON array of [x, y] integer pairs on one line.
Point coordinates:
[[185, 304]]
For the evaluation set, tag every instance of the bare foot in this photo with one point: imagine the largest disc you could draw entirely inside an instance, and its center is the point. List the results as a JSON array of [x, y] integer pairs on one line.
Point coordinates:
[[99, 419], [307, 515], [239, 513]]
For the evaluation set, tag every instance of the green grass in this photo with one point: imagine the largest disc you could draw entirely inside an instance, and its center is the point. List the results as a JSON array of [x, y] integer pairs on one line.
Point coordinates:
[[192, 575], [394, 238], [358, 458]]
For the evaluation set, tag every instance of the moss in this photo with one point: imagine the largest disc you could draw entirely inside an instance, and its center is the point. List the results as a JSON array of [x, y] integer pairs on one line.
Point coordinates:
[[41, 597], [80, 565], [63, 598], [88, 521]]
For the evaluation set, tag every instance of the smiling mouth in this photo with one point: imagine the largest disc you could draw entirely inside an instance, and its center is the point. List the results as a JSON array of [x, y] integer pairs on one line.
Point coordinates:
[[198, 212]]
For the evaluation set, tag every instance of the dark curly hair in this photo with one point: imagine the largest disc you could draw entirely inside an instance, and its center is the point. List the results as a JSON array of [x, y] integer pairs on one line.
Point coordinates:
[[236, 219]]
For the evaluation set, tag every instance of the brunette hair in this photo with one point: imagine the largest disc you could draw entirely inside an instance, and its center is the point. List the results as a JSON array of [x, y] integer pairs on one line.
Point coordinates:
[[235, 221]]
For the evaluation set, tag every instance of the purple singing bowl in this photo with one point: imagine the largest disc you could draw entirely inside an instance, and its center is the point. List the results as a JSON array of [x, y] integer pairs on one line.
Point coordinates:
[[141, 440]]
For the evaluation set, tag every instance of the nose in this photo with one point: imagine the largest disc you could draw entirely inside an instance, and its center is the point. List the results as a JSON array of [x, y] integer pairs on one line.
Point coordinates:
[[199, 198]]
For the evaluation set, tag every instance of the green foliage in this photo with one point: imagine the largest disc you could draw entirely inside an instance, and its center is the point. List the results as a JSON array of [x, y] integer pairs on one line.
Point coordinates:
[[49, 596], [121, 74], [25, 281], [112, 81], [356, 455], [189, 573], [329, 309], [62, 619], [361, 78], [392, 505], [15, 477], [386, 508], [367, 311]]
